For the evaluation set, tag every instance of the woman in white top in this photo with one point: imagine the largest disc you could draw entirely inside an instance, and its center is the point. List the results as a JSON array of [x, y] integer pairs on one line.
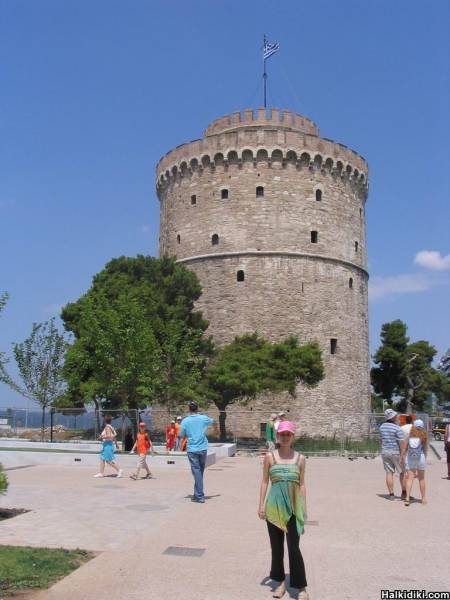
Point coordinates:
[[416, 459], [109, 439]]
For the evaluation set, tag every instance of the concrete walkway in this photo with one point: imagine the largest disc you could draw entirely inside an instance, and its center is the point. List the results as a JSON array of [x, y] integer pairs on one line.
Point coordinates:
[[356, 544]]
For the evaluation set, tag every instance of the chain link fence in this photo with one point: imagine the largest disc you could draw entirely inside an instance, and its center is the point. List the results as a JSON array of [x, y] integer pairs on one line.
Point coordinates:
[[64, 425], [324, 435]]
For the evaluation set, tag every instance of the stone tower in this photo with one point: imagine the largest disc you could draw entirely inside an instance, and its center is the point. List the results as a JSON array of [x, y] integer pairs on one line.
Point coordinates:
[[271, 218]]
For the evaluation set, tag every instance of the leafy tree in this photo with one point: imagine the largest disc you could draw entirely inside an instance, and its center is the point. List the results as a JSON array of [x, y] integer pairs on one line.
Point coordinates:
[[4, 377], [137, 336], [3, 481], [405, 369], [250, 365], [440, 385], [388, 378], [40, 360]]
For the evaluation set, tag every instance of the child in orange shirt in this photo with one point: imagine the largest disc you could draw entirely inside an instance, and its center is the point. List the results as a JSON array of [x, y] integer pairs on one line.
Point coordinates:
[[170, 436], [142, 445]]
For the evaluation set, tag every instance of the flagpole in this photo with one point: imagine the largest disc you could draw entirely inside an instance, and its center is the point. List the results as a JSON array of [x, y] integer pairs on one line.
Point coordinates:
[[265, 74]]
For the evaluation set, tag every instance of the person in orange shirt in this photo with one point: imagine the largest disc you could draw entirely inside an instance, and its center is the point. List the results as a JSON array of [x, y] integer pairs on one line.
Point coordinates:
[[170, 436], [142, 445], [177, 431]]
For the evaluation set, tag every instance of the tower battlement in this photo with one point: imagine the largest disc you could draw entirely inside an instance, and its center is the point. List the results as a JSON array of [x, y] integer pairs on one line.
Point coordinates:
[[263, 135], [273, 117]]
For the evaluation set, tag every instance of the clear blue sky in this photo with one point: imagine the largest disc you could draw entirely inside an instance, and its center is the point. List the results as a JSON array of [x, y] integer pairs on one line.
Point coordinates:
[[94, 92]]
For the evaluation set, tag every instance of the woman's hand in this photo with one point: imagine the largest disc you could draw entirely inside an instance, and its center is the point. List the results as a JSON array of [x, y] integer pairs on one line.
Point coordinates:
[[261, 513]]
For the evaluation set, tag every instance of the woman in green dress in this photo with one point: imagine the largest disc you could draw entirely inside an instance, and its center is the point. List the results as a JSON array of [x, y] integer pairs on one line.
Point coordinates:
[[284, 509]]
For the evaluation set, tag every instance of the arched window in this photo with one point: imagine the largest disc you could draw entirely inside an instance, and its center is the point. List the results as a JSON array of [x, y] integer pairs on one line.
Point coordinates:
[[356, 246], [224, 194], [318, 195], [215, 239], [178, 239], [260, 191], [350, 283], [240, 276], [193, 199], [314, 237]]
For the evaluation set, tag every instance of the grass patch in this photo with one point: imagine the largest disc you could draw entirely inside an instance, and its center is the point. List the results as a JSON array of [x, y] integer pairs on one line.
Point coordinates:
[[28, 568]]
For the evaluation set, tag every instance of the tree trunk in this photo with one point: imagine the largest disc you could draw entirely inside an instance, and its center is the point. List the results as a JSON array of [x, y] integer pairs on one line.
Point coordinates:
[[97, 418], [222, 425], [43, 424]]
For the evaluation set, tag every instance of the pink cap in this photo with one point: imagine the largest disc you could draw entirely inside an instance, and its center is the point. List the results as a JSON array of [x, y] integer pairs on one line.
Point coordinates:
[[286, 426], [142, 425]]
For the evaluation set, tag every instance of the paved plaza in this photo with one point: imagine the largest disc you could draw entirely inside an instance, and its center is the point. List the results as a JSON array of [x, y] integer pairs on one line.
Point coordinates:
[[153, 542]]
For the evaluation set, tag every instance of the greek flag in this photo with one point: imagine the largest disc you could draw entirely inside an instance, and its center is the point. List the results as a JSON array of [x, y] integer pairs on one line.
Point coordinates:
[[270, 49]]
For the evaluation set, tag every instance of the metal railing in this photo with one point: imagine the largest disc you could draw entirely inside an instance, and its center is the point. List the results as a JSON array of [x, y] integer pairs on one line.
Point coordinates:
[[329, 434]]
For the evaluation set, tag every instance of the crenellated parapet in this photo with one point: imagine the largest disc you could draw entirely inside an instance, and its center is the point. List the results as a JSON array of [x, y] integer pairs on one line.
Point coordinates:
[[263, 117], [278, 138]]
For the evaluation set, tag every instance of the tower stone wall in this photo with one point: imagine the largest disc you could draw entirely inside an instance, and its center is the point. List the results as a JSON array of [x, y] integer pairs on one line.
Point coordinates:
[[271, 218]]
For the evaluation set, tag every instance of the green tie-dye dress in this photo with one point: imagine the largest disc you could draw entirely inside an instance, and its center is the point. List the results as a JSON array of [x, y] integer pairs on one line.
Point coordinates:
[[284, 499]]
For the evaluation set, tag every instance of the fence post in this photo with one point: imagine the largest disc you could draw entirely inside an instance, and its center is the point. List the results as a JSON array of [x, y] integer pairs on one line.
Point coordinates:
[[343, 437], [51, 424]]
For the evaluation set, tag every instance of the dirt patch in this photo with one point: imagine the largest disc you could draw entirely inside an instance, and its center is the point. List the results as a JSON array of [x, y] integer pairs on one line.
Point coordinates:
[[28, 595], [9, 513]]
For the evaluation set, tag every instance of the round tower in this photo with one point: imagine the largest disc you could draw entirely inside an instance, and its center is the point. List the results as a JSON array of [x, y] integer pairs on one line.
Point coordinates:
[[271, 218]]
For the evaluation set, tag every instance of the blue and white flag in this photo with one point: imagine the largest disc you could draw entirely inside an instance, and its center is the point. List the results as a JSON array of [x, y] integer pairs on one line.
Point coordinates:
[[270, 49]]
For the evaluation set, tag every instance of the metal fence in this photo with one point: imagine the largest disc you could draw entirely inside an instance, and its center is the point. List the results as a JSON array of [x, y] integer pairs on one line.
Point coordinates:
[[324, 435], [64, 424]]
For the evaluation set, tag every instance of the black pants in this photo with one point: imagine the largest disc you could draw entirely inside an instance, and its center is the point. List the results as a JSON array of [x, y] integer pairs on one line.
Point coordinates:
[[296, 564]]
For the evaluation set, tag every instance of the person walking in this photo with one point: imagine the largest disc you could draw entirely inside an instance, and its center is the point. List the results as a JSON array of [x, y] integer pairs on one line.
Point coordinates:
[[284, 509], [270, 432], [109, 440], [170, 436], [393, 449], [416, 459], [194, 428], [447, 447], [142, 445]]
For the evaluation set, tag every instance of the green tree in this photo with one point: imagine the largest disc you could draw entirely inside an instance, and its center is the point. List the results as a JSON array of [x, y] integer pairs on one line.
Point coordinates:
[[137, 336], [40, 360], [4, 377], [250, 365], [3, 481], [419, 375], [404, 369], [388, 377]]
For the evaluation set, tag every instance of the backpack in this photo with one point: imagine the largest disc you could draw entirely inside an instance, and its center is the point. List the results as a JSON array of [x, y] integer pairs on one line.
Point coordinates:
[[414, 445]]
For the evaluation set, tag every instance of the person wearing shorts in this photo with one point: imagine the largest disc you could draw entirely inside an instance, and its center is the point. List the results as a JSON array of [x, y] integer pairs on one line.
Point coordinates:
[[393, 449], [142, 445], [416, 459]]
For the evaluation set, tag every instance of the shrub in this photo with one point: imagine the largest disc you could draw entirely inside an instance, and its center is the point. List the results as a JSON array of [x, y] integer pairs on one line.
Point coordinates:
[[3, 481]]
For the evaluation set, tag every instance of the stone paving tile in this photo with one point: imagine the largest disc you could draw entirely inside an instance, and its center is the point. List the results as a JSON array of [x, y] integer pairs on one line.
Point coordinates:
[[361, 543]]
